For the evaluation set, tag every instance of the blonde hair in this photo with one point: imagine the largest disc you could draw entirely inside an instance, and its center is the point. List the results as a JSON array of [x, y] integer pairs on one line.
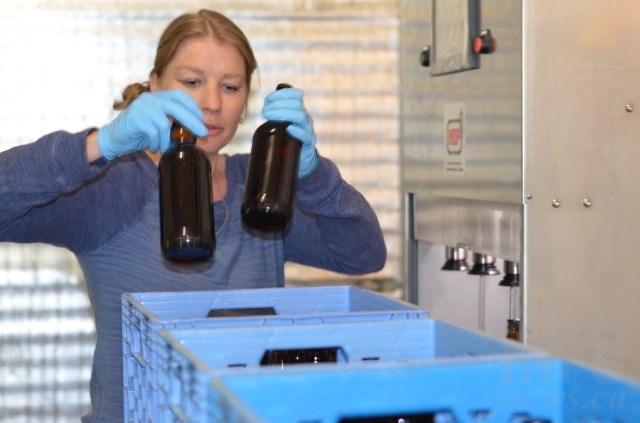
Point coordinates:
[[201, 24]]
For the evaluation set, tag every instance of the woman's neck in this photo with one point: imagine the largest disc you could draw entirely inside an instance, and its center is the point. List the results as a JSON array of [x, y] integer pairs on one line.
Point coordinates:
[[219, 176], [155, 157]]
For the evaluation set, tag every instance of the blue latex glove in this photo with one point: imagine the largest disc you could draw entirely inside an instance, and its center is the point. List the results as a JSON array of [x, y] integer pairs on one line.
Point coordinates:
[[144, 124], [286, 105]]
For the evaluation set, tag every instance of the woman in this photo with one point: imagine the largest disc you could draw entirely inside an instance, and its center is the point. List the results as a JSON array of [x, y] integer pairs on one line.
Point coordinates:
[[96, 192]]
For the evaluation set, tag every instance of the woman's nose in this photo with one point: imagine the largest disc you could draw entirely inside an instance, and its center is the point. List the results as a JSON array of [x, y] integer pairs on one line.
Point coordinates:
[[211, 100]]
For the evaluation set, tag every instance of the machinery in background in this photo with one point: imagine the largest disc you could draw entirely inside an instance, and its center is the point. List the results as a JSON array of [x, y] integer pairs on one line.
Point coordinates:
[[519, 140]]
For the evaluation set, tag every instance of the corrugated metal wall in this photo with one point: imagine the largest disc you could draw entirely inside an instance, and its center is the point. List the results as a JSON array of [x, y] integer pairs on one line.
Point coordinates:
[[63, 63]]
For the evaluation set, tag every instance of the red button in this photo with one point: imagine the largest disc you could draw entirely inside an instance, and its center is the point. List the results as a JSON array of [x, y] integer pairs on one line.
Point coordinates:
[[484, 43]]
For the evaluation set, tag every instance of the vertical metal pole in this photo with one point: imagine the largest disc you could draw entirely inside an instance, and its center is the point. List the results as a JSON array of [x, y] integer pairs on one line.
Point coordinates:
[[481, 303], [411, 251]]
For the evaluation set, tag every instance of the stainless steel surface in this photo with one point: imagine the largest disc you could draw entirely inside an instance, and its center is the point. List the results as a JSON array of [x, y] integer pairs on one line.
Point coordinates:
[[580, 271], [483, 226], [485, 195], [545, 176]]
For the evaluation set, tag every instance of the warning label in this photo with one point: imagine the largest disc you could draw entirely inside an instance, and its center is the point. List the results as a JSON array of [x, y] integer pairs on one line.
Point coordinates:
[[454, 157]]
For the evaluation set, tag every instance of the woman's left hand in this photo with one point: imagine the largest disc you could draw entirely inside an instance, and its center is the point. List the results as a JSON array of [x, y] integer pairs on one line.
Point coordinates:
[[287, 105]]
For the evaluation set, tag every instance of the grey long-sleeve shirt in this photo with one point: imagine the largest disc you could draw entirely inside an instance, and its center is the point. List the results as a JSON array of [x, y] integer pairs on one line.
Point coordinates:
[[107, 214]]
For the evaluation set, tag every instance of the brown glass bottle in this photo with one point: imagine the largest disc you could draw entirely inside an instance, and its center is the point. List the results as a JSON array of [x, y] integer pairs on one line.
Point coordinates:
[[186, 210], [513, 329], [272, 176], [300, 356]]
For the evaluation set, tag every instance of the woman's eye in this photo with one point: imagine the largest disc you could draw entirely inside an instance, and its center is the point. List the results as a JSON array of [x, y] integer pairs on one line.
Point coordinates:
[[231, 88], [191, 82]]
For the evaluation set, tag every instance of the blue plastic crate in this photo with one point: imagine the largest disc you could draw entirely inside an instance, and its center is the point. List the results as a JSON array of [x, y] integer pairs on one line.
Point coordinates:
[[179, 384], [146, 313], [506, 391]]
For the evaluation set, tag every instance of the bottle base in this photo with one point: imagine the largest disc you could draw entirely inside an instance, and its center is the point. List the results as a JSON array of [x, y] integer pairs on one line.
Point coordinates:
[[188, 254], [265, 221]]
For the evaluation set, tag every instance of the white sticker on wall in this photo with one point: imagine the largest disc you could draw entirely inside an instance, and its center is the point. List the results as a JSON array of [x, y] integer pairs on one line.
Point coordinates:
[[454, 142]]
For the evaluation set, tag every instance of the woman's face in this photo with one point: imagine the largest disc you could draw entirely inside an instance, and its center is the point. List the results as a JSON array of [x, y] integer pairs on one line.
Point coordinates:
[[214, 74]]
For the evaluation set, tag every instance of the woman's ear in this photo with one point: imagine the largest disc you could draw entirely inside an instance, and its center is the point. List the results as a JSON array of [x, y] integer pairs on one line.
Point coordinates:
[[153, 82]]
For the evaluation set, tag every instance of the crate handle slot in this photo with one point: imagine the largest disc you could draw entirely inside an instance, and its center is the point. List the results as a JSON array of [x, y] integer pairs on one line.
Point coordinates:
[[242, 312]]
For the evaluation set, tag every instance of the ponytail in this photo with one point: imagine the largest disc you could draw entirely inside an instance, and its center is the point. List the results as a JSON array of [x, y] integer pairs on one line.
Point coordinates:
[[129, 94]]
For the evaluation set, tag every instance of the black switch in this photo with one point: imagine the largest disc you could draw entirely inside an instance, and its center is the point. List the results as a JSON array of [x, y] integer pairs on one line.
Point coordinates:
[[425, 57]]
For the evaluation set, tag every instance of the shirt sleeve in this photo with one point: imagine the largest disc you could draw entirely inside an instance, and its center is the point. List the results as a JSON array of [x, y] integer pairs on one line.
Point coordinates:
[[333, 226], [34, 181]]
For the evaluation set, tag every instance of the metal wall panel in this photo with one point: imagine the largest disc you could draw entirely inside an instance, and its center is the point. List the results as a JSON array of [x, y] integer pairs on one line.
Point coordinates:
[[486, 192], [581, 143]]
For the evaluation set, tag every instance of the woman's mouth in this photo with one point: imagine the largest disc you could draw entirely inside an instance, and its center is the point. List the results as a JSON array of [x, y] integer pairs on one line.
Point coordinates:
[[213, 129]]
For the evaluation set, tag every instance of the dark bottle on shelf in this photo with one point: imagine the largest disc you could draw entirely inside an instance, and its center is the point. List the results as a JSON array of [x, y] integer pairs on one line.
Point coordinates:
[[186, 208], [272, 176]]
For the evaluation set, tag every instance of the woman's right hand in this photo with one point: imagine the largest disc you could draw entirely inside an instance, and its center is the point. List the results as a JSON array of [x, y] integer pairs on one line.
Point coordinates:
[[144, 123]]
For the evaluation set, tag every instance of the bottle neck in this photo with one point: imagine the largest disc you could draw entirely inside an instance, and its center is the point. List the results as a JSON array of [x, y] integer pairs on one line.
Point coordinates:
[[180, 133], [183, 143]]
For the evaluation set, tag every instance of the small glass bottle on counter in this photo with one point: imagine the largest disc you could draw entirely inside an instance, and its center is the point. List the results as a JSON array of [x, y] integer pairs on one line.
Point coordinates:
[[186, 208]]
